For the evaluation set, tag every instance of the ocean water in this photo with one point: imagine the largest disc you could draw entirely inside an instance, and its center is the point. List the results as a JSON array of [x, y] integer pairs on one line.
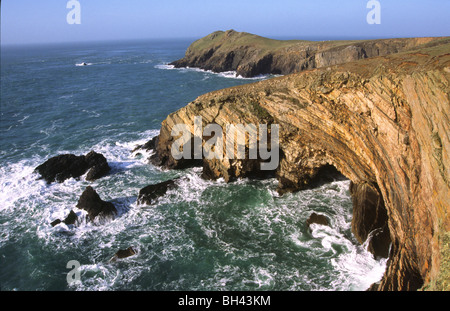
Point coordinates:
[[204, 235]]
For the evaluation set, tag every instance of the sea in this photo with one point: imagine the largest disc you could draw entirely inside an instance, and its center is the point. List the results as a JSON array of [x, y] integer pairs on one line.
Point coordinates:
[[202, 236]]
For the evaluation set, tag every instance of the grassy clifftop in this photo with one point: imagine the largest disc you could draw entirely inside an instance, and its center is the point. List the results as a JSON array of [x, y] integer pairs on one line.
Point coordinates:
[[251, 55]]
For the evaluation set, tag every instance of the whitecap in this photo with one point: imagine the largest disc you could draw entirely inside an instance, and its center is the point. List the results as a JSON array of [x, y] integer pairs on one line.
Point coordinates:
[[92, 114], [83, 64], [225, 74], [165, 66]]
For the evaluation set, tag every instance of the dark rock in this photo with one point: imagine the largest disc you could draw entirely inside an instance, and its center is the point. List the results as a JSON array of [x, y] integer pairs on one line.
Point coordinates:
[[370, 218], [70, 219], [150, 145], [124, 253], [62, 167], [373, 288], [380, 241], [98, 166], [95, 207], [67, 166], [317, 219], [55, 222], [98, 171], [151, 193]]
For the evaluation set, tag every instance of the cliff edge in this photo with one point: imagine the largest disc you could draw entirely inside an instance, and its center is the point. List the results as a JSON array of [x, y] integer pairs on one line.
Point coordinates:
[[383, 122], [251, 55]]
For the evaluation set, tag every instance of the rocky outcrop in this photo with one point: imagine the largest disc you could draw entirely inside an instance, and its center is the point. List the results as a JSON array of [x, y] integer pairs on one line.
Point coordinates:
[[69, 220], [251, 55], [148, 146], [317, 219], [65, 166], [91, 202], [150, 194], [123, 253], [382, 122]]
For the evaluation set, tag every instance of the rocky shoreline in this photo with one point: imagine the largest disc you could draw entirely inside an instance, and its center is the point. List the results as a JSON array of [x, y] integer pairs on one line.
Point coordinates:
[[383, 122], [251, 55]]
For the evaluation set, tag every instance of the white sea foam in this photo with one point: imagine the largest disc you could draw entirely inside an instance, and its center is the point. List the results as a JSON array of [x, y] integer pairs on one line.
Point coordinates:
[[34, 204], [83, 64], [225, 74], [358, 269], [92, 113], [165, 66]]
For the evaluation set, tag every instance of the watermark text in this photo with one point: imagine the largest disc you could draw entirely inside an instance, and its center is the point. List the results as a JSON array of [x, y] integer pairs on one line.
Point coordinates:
[[231, 143], [74, 15]]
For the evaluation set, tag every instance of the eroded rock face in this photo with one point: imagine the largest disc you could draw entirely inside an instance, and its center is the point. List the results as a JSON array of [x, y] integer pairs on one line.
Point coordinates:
[[370, 220], [65, 166], [251, 55], [382, 121]]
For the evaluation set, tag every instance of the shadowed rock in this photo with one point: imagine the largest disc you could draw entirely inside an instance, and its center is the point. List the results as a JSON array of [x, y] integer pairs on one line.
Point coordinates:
[[65, 166], [370, 220], [124, 253], [95, 207], [69, 220], [317, 219], [150, 145], [151, 193], [98, 166]]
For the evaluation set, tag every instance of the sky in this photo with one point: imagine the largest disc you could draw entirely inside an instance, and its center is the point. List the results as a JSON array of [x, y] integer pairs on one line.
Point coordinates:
[[44, 21]]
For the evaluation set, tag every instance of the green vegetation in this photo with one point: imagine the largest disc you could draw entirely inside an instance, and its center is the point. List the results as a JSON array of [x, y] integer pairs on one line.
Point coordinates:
[[229, 39], [442, 282], [260, 112]]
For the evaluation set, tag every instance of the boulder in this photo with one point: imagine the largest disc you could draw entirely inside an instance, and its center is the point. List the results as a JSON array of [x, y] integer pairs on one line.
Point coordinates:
[[98, 166], [124, 253], [69, 220], [91, 202], [150, 145], [317, 219], [151, 193], [65, 166]]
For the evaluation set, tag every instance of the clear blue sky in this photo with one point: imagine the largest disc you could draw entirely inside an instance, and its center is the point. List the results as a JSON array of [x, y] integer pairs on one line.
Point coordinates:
[[28, 21]]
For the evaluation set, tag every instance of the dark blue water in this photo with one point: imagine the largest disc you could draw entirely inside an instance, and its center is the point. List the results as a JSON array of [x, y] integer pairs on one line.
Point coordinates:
[[202, 236]]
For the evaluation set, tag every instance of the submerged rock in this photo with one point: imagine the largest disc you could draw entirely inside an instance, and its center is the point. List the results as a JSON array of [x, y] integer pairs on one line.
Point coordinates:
[[69, 220], [317, 219], [91, 202], [65, 166], [151, 193], [124, 253]]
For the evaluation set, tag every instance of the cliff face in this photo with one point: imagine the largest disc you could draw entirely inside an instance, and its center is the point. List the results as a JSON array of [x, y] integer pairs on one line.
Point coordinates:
[[251, 55], [383, 122]]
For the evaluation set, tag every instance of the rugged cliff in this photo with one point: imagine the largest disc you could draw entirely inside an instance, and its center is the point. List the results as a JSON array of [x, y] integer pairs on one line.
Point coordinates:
[[251, 55], [382, 122]]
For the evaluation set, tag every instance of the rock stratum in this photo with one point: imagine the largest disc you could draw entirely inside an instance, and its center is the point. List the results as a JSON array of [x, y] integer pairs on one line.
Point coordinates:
[[383, 122]]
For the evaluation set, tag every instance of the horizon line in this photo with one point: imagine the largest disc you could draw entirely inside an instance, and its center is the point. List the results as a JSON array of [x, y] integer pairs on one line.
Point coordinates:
[[316, 38]]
